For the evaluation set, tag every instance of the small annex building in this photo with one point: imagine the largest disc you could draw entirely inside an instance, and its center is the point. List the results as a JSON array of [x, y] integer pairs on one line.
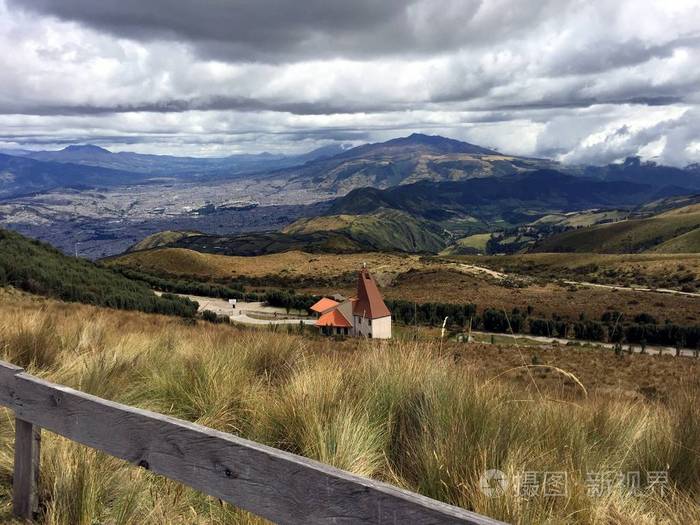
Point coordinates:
[[365, 315]]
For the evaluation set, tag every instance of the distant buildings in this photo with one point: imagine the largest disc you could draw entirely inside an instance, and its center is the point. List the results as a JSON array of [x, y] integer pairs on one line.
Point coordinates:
[[365, 315]]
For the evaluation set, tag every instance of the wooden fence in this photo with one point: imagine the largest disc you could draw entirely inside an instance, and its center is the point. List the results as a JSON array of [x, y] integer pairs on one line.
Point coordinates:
[[277, 485]]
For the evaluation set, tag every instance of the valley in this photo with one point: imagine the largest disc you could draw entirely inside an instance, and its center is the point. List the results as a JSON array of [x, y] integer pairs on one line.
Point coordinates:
[[527, 289], [103, 202]]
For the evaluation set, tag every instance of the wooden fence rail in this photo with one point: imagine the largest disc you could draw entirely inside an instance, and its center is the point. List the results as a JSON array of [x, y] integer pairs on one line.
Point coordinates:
[[276, 485]]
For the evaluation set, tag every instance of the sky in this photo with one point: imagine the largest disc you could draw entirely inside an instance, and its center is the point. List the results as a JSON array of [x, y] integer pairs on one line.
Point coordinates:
[[582, 81]]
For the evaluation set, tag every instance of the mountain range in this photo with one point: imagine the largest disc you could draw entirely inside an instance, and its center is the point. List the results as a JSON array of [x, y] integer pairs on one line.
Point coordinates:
[[405, 161], [333, 169], [418, 193], [90, 166]]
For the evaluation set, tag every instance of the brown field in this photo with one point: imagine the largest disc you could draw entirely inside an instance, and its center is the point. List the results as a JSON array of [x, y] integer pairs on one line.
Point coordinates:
[[436, 279], [179, 261], [426, 415], [615, 269], [451, 286], [600, 371]]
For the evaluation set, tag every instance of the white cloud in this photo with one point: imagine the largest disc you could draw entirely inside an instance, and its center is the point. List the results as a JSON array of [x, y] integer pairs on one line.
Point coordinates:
[[537, 78]]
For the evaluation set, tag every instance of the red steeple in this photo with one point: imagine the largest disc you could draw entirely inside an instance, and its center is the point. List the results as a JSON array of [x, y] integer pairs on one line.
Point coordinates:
[[369, 301]]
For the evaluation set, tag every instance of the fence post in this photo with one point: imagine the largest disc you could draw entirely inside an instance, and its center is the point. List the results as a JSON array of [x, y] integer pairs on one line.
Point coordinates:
[[26, 475]]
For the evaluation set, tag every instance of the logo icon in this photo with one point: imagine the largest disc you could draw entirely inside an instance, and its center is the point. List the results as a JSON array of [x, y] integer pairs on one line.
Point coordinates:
[[493, 483]]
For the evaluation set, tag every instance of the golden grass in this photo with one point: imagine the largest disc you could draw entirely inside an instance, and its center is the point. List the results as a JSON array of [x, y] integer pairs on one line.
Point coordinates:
[[323, 223], [400, 411], [180, 261]]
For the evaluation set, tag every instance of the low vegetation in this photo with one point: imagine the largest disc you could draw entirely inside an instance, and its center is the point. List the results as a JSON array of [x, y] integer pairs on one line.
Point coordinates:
[[410, 413], [651, 270], [38, 268], [296, 266]]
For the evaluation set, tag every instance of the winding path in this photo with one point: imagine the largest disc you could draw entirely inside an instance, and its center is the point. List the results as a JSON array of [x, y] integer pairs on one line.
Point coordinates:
[[474, 269]]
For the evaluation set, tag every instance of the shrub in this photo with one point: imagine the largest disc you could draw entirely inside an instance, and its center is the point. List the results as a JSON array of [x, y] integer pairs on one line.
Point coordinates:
[[495, 321], [213, 317], [644, 318]]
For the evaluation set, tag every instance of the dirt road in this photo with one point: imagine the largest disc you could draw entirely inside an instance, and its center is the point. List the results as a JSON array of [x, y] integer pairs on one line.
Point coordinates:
[[249, 313], [651, 350], [480, 270]]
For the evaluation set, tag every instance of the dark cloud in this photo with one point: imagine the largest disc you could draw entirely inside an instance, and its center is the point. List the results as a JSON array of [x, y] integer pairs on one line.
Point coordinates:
[[607, 54], [274, 30]]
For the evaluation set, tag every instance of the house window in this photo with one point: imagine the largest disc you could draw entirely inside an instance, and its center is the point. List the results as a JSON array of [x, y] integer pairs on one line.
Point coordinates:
[[370, 322]]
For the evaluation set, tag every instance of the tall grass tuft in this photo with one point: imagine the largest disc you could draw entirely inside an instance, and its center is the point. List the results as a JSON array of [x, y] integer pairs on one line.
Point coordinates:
[[30, 341]]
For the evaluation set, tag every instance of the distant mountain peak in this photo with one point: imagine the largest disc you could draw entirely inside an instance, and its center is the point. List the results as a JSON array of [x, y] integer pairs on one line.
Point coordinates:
[[85, 148], [439, 143]]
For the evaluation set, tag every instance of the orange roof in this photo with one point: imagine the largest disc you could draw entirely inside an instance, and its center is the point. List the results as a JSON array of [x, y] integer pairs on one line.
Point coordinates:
[[369, 301], [323, 305], [333, 318]]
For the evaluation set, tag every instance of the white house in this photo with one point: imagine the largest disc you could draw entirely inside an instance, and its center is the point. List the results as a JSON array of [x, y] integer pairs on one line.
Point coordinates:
[[365, 315]]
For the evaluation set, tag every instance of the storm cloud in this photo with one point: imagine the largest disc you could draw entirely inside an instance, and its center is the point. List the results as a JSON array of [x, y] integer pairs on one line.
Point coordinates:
[[579, 81]]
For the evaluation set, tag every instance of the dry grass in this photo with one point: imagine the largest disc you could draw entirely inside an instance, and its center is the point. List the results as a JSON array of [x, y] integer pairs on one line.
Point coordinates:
[[180, 261], [413, 278], [407, 412]]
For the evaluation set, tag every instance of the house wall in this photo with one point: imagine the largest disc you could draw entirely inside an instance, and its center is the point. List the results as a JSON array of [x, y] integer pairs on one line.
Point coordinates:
[[361, 326], [381, 328], [375, 329]]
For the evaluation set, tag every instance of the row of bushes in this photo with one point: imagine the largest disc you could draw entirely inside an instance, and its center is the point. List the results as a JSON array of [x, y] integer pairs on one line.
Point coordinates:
[[279, 298], [38, 268], [188, 287], [407, 312], [611, 328]]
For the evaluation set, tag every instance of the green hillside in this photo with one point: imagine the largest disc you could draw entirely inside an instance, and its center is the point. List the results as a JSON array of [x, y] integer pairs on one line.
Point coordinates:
[[686, 243], [674, 231], [469, 245], [385, 230], [161, 239], [264, 243], [40, 269]]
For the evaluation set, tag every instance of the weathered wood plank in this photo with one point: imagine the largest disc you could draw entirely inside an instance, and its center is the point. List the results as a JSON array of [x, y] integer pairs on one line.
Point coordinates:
[[25, 498], [7, 373], [274, 484]]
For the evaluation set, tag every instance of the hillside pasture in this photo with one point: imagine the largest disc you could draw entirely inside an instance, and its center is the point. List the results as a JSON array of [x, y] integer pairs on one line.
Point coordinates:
[[292, 264], [423, 415]]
